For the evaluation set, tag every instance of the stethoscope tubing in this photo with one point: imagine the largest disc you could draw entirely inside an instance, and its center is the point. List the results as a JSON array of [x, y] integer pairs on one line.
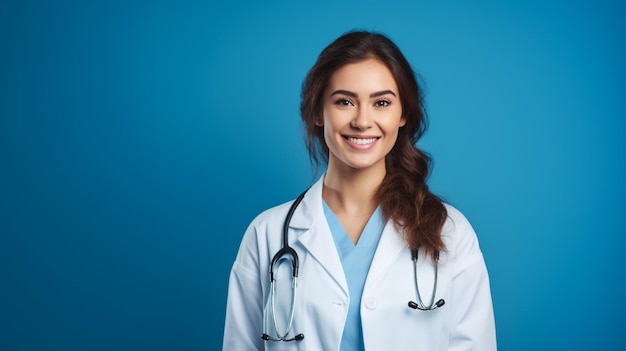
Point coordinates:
[[420, 305], [286, 252]]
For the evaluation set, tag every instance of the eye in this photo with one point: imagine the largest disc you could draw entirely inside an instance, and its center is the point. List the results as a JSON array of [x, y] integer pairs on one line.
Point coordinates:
[[344, 102], [382, 103]]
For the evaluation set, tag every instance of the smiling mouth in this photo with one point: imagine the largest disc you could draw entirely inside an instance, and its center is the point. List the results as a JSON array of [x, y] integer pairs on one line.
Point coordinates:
[[361, 141]]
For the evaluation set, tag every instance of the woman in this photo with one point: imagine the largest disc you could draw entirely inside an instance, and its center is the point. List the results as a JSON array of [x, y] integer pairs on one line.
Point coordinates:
[[383, 264]]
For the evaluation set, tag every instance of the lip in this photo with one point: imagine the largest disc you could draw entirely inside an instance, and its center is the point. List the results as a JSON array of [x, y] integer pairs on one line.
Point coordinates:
[[360, 142]]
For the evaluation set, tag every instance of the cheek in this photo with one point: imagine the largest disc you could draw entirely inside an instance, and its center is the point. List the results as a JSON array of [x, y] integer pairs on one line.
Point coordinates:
[[400, 120], [328, 134], [326, 122]]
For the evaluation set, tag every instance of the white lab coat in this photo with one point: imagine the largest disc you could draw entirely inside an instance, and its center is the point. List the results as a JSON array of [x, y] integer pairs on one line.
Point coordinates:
[[465, 322]]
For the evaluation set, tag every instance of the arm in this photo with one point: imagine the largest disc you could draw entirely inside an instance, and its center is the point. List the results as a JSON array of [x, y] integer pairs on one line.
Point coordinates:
[[472, 317], [244, 309], [474, 324]]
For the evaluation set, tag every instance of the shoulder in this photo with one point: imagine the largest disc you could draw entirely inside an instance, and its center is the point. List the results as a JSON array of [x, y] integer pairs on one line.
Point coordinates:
[[261, 235], [271, 217], [459, 235], [455, 218]]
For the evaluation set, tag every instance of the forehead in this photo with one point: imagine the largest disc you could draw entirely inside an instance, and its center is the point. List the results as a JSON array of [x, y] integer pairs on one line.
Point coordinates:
[[366, 76]]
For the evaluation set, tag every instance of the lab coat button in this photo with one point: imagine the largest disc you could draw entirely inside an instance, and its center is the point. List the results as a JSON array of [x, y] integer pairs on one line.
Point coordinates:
[[371, 303]]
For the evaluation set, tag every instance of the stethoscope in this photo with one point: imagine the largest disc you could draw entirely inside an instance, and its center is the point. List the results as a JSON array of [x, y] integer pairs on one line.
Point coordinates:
[[288, 253]]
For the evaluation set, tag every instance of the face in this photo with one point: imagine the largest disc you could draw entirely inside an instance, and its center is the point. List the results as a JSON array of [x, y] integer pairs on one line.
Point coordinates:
[[362, 114]]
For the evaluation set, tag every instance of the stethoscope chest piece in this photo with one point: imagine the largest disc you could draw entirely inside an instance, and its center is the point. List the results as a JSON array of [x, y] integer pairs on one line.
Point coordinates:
[[286, 252]]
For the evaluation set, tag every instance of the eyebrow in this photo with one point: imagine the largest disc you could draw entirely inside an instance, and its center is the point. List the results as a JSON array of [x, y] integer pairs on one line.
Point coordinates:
[[353, 94]]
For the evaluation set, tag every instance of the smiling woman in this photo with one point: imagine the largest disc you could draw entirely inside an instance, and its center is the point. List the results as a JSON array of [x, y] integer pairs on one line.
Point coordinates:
[[340, 275], [361, 116]]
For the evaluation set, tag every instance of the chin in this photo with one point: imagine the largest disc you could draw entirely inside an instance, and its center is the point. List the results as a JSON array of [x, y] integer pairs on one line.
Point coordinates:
[[363, 165]]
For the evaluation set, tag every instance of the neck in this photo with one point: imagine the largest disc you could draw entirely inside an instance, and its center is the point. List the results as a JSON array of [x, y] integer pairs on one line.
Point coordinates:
[[352, 191]]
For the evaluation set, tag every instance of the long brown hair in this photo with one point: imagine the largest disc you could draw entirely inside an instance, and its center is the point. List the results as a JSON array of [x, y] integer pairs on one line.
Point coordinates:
[[403, 194]]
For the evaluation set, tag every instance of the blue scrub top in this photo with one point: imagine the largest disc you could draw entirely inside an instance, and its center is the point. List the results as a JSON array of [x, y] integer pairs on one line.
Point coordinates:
[[356, 261]]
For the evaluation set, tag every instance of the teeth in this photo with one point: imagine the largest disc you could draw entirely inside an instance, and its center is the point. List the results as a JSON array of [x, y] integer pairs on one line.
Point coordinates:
[[361, 141]]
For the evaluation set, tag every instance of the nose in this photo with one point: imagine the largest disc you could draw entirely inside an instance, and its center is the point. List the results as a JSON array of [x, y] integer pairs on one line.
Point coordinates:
[[362, 119]]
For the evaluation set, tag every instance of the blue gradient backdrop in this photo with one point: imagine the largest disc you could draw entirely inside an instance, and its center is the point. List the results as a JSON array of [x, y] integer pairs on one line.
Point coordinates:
[[139, 138]]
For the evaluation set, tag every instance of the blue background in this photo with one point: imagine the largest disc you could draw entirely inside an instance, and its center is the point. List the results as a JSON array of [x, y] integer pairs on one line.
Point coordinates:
[[138, 140]]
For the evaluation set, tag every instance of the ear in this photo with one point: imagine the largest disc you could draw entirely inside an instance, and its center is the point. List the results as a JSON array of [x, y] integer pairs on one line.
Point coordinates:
[[319, 121], [402, 121]]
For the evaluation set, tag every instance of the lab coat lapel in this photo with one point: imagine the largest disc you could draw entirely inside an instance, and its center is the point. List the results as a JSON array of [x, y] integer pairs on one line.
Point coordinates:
[[390, 247], [319, 243], [317, 239]]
